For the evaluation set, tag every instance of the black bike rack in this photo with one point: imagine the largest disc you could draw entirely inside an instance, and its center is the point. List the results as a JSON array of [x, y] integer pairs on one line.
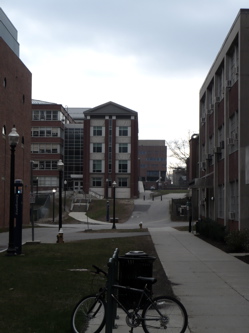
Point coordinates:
[[111, 310]]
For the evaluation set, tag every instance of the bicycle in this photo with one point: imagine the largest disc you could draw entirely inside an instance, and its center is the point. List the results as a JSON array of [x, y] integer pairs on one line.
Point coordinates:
[[160, 313]]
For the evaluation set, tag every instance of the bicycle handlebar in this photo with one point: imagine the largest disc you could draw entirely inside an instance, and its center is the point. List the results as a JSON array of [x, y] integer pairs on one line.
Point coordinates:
[[99, 270]]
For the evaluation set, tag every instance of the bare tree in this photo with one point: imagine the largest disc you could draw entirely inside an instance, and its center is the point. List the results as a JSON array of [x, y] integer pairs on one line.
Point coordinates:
[[179, 152]]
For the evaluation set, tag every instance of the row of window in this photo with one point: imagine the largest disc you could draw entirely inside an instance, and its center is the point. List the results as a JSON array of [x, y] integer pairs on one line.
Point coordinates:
[[122, 166], [45, 148], [45, 131], [122, 147], [98, 182], [122, 131], [45, 115]]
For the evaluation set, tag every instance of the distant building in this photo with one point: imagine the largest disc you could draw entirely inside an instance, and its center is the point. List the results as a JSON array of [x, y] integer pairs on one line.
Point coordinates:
[[49, 123], [110, 151], [152, 162], [223, 176], [15, 109]]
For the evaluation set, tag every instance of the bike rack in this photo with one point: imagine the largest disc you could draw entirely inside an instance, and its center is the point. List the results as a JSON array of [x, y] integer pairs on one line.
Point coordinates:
[[111, 310]]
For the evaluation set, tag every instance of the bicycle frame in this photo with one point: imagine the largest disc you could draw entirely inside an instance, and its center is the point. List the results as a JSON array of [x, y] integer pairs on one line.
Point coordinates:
[[144, 293]]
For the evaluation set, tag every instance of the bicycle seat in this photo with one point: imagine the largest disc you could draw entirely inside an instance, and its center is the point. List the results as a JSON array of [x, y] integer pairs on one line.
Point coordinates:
[[151, 280]]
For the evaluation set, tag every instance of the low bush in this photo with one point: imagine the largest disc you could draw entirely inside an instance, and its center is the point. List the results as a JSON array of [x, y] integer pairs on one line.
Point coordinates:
[[211, 229], [238, 241]]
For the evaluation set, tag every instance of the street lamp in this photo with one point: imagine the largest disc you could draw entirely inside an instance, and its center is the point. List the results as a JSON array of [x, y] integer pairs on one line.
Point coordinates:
[[13, 141], [65, 194], [106, 187], [114, 195], [60, 166], [53, 191]]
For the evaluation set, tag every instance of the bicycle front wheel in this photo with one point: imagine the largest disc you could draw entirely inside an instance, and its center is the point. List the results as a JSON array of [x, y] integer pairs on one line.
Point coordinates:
[[89, 315], [165, 314]]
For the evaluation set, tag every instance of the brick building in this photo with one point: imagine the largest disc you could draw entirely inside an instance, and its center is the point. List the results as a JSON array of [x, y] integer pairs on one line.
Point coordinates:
[[223, 182], [49, 122], [15, 109], [110, 150], [152, 162]]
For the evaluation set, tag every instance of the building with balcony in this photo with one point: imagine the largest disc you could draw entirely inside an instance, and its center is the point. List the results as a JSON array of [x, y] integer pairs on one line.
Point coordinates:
[[110, 151], [223, 181]]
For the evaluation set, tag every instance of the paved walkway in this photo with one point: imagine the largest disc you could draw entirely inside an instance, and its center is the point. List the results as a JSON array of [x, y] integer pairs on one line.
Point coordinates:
[[212, 285]]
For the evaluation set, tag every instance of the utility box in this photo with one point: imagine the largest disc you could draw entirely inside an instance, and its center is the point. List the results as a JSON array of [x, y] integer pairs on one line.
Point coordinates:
[[132, 265]]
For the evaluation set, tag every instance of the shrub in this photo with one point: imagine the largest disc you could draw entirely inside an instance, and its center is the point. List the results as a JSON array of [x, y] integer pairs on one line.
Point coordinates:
[[238, 241], [211, 229]]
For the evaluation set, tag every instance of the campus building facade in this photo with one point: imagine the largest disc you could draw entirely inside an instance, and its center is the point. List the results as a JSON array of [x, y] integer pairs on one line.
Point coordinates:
[[110, 151], [223, 182], [152, 156], [15, 109]]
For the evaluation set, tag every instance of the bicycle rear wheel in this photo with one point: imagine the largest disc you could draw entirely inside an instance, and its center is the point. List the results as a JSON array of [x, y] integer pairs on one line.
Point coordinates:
[[89, 315], [164, 314]]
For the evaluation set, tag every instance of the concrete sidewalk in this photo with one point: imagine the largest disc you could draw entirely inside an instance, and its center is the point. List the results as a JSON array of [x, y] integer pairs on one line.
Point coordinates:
[[212, 285]]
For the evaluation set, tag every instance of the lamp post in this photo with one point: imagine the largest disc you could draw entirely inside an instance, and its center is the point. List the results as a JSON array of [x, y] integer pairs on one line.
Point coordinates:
[[53, 191], [114, 197], [107, 210], [60, 166], [65, 194], [106, 187], [13, 141]]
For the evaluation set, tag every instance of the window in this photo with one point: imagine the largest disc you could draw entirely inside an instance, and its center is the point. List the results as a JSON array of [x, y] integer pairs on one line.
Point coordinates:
[[49, 181], [97, 166], [55, 115], [123, 166], [35, 115], [96, 182], [123, 131], [97, 131], [122, 182], [48, 115], [123, 148], [97, 147]]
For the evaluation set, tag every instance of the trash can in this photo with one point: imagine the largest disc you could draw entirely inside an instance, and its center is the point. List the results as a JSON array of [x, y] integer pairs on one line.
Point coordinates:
[[132, 265]]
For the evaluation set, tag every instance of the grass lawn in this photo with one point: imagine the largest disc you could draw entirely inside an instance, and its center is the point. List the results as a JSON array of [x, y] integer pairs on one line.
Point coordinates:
[[39, 289]]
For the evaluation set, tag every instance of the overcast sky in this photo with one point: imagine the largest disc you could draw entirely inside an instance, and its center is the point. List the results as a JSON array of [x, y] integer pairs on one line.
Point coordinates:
[[151, 56]]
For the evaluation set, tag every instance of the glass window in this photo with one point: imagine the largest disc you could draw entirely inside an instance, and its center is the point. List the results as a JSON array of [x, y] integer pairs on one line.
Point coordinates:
[[97, 131], [42, 148], [42, 115], [122, 182], [123, 166], [54, 165], [123, 131], [97, 147], [97, 166], [96, 182], [35, 114], [123, 148], [55, 131], [34, 148], [48, 115], [55, 115]]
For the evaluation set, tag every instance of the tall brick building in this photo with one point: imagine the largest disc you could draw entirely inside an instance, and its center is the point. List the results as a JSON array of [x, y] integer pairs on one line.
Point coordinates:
[[15, 109], [223, 181], [110, 150]]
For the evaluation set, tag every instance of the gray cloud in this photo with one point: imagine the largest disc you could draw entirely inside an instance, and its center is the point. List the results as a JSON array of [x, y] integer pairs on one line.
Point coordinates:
[[167, 38]]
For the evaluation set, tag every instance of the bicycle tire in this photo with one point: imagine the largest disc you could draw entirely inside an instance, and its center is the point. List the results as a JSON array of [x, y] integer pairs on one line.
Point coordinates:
[[89, 315], [165, 313]]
